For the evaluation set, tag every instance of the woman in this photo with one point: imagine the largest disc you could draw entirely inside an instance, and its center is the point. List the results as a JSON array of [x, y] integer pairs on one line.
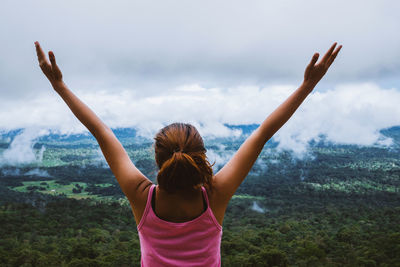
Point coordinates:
[[179, 220]]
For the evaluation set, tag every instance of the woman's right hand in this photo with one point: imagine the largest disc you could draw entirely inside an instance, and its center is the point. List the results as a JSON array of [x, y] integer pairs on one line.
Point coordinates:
[[314, 72], [51, 70]]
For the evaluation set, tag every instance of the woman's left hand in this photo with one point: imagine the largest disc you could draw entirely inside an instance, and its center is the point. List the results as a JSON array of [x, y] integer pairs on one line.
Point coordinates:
[[51, 70], [314, 72]]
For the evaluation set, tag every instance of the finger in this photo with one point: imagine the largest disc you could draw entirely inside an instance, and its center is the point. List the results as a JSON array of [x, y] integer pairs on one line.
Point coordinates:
[[39, 51], [333, 56], [43, 63], [52, 58], [314, 59], [328, 53], [54, 65]]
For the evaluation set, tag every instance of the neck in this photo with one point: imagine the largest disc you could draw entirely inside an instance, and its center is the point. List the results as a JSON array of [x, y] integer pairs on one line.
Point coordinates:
[[180, 194]]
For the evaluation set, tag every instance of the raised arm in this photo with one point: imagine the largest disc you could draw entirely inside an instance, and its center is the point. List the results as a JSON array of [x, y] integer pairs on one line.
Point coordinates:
[[131, 180], [228, 179]]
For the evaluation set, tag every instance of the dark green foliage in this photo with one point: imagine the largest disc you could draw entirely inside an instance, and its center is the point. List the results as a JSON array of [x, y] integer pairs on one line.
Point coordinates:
[[89, 174], [68, 158], [70, 232], [113, 190], [77, 189], [34, 187]]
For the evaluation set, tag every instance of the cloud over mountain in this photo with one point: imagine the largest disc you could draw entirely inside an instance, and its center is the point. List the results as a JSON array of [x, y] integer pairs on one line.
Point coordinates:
[[346, 114]]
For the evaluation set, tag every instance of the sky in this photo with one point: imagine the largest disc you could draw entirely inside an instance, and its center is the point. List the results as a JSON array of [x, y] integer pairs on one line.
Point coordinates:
[[145, 64]]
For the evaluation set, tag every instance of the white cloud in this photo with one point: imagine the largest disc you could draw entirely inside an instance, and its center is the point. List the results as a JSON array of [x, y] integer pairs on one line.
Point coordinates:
[[219, 157], [38, 172], [21, 148], [346, 114], [257, 208], [10, 171]]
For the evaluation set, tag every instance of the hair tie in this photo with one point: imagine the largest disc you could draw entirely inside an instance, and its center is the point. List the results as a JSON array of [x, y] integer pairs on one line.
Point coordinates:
[[178, 150]]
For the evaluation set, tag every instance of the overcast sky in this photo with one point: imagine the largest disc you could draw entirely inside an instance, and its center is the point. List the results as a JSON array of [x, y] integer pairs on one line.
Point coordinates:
[[147, 63]]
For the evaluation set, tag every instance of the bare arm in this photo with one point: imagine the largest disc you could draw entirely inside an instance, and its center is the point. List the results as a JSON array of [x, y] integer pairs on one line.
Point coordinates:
[[229, 178], [131, 180]]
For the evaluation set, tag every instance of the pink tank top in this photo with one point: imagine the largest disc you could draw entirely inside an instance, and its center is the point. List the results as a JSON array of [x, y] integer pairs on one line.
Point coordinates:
[[192, 243]]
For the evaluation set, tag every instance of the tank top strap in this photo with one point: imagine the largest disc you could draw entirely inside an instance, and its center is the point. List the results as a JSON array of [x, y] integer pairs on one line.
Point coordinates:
[[148, 206], [150, 195], [205, 195]]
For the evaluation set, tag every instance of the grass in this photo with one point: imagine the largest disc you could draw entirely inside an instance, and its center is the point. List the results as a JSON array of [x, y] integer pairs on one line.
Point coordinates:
[[353, 186], [53, 188], [245, 196]]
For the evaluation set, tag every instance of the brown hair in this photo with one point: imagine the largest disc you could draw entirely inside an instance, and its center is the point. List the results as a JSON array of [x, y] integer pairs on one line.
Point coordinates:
[[181, 157]]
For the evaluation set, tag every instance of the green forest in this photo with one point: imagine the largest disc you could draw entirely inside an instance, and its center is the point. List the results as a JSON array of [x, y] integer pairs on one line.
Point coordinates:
[[338, 205]]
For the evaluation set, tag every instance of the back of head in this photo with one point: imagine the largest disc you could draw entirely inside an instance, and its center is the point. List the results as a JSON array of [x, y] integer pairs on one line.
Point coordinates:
[[181, 157]]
